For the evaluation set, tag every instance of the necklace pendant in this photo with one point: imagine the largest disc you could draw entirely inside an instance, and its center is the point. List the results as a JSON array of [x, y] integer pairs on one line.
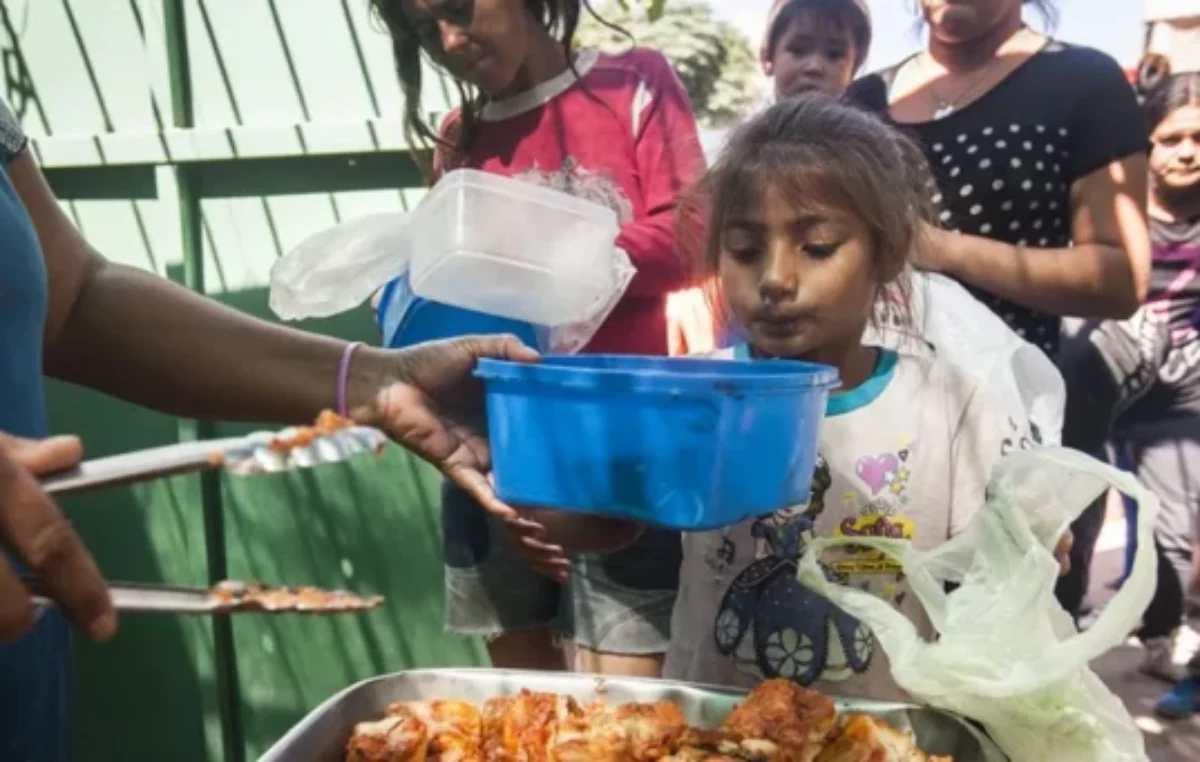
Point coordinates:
[[943, 111]]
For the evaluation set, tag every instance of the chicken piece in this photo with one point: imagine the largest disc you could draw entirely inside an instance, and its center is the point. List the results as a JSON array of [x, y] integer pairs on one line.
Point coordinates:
[[794, 719], [697, 754], [724, 746], [392, 739], [327, 424], [522, 728], [455, 728], [866, 739], [625, 733]]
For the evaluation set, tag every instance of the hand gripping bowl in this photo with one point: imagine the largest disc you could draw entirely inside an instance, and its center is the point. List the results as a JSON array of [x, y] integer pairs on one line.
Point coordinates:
[[680, 443]]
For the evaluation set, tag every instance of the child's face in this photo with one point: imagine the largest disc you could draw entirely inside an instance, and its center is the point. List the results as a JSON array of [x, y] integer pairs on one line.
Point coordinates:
[[800, 281], [481, 42], [812, 54], [1175, 156]]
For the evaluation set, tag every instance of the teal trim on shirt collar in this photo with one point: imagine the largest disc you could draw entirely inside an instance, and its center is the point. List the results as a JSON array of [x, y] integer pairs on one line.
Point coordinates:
[[862, 395]]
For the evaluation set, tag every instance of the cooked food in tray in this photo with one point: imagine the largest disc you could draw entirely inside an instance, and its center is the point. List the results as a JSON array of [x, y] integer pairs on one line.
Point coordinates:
[[327, 424], [778, 722], [232, 595], [331, 439]]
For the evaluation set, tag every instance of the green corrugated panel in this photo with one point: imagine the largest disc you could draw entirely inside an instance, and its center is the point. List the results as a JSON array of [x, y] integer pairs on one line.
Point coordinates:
[[370, 526], [150, 689]]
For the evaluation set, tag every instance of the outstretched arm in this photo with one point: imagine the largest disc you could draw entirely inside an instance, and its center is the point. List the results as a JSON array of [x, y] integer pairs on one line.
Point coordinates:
[[1103, 275], [144, 339]]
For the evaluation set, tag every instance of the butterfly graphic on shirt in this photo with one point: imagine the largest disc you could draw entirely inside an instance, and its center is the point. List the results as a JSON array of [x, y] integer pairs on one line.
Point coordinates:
[[775, 626]]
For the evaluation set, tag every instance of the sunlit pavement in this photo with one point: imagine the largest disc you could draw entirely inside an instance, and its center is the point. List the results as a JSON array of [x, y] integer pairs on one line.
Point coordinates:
[[1165, 741]]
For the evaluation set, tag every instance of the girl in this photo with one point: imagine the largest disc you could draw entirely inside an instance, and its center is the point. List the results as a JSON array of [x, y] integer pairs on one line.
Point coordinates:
[[1039, 153], [1161, 430], [808, 45], [617, 130], [812, 211]]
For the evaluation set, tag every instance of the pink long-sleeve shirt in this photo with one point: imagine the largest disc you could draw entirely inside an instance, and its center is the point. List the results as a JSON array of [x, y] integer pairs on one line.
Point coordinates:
[[622, 134]]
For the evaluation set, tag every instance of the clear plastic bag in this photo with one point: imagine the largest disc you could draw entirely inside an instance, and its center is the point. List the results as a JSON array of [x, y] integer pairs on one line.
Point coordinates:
[[1007, 654], [398, 299], [963, 331], [340, 268], [571, 338]]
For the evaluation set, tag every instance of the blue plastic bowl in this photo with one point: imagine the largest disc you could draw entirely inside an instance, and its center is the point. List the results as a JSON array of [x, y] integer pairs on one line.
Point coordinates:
[[684, 444], [406, 319]]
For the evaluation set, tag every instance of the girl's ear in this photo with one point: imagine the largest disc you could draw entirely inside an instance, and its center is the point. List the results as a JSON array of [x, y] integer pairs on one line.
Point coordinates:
[[768, 67]]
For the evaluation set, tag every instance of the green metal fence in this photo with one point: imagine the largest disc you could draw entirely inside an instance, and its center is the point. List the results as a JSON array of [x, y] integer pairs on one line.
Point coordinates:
[[200, 139]]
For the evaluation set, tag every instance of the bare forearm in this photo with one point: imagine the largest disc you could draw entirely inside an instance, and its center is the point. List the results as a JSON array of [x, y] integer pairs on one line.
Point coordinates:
[[1090, 280], [146, 340]]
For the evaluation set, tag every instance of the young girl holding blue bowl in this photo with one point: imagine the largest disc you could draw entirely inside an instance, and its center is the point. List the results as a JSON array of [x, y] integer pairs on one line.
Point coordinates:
[[813, 211]]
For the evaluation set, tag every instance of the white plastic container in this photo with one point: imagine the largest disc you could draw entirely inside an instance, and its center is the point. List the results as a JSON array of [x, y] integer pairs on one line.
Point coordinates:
[[511, 248]]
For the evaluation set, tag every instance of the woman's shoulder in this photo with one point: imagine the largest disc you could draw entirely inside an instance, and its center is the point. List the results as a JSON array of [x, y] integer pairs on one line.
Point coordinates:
[[637, 65], [1080, 57], [636, 59], [1079, 67], [1067, 59]]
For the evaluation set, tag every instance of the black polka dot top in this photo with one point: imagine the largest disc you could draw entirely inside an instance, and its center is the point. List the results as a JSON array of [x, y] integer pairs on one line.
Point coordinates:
[[1004, 164]]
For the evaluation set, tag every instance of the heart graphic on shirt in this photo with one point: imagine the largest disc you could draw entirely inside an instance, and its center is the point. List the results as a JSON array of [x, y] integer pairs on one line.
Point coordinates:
[[875, 471]]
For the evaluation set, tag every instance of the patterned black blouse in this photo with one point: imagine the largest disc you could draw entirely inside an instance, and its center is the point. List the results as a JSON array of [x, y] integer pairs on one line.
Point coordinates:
[[1004, 164]]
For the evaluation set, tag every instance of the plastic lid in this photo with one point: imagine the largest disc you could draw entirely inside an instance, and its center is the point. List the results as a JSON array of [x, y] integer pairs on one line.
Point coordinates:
[[522, 191], [633, 373]]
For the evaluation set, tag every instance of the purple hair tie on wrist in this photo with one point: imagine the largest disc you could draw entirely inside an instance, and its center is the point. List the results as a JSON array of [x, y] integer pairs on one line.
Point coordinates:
[[344, 377]]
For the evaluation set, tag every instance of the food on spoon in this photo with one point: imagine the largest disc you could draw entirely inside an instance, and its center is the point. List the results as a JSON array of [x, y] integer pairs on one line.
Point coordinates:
[[242, 596], [778, 722], [331, 439], [327, 424]]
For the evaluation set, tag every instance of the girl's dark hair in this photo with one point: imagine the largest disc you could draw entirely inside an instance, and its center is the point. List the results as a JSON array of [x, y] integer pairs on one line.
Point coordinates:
[[844, 14], [1173, 93], [559, 17], [816, 151]]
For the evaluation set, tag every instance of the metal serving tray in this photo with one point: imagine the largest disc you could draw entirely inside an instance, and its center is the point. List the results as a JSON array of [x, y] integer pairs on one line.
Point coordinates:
[[322, 735]]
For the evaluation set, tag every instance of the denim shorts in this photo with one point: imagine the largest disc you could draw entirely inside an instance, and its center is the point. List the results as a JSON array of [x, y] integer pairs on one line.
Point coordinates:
[[614, 604]]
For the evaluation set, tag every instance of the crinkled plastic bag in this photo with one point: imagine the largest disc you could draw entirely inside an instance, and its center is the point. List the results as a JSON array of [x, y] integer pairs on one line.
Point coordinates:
[[964, 332], [1007, 654], [399, 298], [340, 268], [571, 338]]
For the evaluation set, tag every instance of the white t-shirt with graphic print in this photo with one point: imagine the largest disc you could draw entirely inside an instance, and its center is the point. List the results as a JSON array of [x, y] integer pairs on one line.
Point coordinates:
[[907, 454]]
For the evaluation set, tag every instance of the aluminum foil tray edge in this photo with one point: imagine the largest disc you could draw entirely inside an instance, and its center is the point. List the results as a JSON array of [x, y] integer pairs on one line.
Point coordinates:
[[322, 735]]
